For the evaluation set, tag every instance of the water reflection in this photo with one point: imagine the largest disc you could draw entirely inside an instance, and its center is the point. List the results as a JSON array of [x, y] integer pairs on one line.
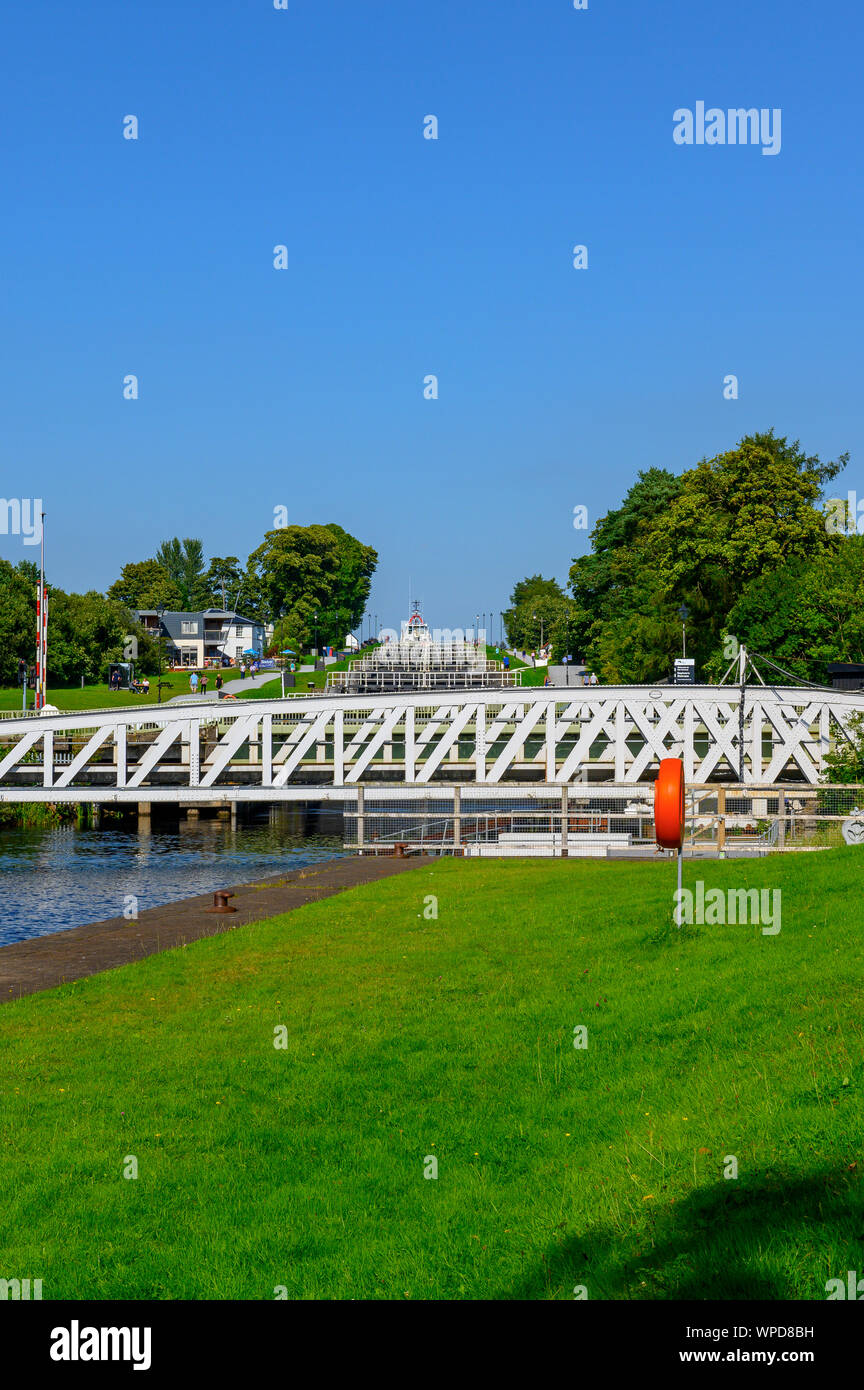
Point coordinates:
[[64, 876]]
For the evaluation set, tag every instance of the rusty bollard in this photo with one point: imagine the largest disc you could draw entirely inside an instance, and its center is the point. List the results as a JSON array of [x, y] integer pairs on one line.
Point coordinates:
[[220, 902]]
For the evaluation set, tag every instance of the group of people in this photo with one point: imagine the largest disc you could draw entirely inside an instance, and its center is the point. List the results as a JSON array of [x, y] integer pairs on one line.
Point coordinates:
[[138, 687], [199, 684]]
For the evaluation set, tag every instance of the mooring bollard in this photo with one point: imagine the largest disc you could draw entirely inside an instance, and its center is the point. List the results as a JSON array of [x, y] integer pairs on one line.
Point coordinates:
[[220, 902]]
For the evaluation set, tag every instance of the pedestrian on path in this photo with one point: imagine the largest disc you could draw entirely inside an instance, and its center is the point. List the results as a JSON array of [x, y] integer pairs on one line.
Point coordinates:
[[218, 683], [204, 683], [193, 682], [242, 670]]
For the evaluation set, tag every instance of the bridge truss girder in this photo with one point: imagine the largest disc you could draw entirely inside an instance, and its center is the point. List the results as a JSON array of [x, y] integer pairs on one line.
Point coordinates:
[[486, 738]]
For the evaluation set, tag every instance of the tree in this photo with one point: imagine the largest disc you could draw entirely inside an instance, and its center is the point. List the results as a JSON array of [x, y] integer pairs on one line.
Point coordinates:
[[183, 561], [741, 513], [540, 612], [624, 622], [17, 617], [700, 539], [222, 583], [804, 614], [301, 571], [146, 585], [85, 633]]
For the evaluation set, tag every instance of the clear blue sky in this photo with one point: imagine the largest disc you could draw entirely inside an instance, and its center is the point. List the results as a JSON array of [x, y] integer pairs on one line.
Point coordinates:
[[407, 257]]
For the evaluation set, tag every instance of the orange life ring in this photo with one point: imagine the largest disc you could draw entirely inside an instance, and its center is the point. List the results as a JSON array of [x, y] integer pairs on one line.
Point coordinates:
[[669, 804]]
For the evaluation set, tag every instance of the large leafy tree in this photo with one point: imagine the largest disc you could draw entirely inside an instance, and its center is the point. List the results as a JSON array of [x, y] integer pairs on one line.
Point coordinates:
[[222, 583], [625, 617], [804, 614], [700, 540], [303, 571], [85, 631], [17, 617], [146, 585], [745, 511]]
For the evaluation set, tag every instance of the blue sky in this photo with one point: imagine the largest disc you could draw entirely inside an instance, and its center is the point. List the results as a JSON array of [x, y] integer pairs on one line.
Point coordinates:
[[408, 257]]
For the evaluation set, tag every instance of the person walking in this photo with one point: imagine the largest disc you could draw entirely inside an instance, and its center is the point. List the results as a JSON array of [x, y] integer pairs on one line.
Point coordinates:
[[203, 682], [193, 682], [218, 683], [242, 670]]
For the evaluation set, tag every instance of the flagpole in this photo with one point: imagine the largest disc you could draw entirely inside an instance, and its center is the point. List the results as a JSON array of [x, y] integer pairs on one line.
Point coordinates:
[[42, 644]]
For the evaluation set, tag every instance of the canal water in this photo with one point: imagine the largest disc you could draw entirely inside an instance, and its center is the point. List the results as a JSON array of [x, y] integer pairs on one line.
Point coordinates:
[[65, 876]]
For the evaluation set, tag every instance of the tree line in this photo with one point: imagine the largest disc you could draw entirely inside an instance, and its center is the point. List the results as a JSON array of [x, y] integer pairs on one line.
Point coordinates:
[[311, 582], [740, 541]]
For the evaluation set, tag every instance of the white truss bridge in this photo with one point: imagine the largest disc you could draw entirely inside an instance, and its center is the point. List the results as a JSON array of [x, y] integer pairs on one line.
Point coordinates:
[[331, 747]]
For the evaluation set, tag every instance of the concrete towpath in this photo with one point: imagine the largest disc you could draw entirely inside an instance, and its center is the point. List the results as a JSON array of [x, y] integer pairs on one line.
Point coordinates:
[[47, 961]]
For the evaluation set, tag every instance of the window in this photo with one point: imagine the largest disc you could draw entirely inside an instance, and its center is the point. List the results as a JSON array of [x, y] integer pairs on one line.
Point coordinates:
[[189, 627]]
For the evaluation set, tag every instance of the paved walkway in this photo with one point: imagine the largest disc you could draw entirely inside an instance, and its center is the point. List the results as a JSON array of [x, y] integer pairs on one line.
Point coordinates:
[[47, 961], [234, 686]]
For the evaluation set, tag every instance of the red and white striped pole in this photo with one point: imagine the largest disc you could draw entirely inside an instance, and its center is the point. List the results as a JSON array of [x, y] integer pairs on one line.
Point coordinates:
[[41, 626]]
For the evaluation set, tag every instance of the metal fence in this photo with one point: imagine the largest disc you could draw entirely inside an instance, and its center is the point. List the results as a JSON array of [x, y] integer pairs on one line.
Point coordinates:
[[606, 821]]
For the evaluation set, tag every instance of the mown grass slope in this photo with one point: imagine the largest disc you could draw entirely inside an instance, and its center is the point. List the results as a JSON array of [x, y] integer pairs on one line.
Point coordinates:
[[409, 1037]]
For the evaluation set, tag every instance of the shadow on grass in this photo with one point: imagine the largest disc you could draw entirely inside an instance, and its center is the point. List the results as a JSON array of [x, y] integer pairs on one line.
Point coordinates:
[[766, 1239]]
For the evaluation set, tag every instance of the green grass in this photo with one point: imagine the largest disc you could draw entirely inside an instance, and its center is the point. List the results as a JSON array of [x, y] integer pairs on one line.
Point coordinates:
[[409, 1037], [102, 696]]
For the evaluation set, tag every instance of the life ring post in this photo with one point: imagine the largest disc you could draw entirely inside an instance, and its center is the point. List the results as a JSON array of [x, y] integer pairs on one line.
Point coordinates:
[[669, 816]]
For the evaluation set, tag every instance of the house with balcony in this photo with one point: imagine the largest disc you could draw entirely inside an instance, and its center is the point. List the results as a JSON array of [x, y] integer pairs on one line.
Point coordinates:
[[205, 638]]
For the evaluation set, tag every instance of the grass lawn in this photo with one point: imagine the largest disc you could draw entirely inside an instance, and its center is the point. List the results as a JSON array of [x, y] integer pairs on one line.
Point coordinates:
[[102, 696], [407, 1037]]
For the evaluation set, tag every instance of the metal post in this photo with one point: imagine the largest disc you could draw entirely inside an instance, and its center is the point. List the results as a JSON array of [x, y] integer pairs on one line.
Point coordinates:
[[360, 819], [565, 817], [781, 820], [457, 818], [721, 822], [742, 675], [680, 909]]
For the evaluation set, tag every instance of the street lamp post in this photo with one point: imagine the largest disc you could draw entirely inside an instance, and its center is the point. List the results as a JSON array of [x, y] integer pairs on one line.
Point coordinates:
[[160, 614], [684, 614]]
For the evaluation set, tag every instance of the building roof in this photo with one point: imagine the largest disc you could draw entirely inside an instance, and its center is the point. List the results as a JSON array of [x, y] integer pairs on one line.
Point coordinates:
[[172, 620]]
